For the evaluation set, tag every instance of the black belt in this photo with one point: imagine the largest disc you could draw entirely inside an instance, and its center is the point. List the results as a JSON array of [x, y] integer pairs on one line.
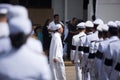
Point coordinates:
[[117, 67], [86, 49], [108, 62], [99, 55], [73, 47], [80, 48], [91, 56]]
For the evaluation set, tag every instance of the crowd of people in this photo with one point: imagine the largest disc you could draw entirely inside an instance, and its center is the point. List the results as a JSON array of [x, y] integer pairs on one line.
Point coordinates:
[[93, 47]]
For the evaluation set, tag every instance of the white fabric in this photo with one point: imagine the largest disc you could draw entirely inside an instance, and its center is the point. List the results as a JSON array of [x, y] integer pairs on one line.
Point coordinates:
[[81, 25], [5, 45], [20, 25], [114, 49], [89, 24], [78, 40], [3, 11], [17, 11], [112, 24], [4, 30], [105, 27], [98, 21], [56, 52], [34, 45], [24, 64], [100, 27]]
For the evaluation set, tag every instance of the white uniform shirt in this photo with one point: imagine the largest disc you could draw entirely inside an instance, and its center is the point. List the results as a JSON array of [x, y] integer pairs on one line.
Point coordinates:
[[76, 42], [24, 64]]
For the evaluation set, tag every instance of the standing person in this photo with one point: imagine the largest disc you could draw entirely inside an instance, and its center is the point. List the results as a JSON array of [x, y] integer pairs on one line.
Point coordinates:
[[89, 38], [22, 62], [72, 30], [77, 49], [56, 54], [46, 37], [99, 54], [52, 24], [114, 49]]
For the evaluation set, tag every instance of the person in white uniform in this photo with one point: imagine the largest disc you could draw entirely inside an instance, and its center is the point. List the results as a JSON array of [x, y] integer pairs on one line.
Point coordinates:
[[89, 31], [56, 55], [77, 49], [17, 11], [114, 50], [21, 62], [113, 33]]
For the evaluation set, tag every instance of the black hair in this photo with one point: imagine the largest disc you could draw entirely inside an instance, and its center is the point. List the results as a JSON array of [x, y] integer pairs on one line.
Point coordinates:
[[74, 18], [80, 29], [46, 22], [56, 15], [113, 31], [17, 40], [2, 15]]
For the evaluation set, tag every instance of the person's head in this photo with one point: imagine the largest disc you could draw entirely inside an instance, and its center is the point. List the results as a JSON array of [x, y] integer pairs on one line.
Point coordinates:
[[17, 11], [89, 26], [105, 29], [20, 30], [56, 18], [97, 22], [113, 29], [38, 29], [59, 28], [3, 13], [118, 25], [81, 27], [74, 21], [100, 30]]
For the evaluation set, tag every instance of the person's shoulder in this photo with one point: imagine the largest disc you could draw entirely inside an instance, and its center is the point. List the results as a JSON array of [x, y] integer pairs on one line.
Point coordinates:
[[34, 45]]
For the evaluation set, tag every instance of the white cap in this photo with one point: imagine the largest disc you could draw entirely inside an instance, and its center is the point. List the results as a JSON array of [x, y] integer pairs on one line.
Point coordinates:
[[89, 24], [6, 6], [3, 11], [17, 11], [98, 21], [58, 26], [81, 25], [118, 23], [105, 27], [4, 30], [20, 25], [99, 28], [112, 24]]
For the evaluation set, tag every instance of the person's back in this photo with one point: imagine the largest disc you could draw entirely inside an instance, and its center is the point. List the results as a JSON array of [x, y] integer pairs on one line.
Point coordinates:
[[23, 64]]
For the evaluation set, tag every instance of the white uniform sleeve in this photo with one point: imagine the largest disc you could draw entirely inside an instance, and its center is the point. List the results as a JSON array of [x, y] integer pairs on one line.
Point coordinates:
[[72, 53]]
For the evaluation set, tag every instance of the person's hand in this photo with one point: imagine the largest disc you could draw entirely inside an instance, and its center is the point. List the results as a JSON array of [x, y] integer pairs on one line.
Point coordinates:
[[55, 60]]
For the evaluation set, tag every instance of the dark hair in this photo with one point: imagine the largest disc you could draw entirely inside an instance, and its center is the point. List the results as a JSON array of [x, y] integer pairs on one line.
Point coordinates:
[[46, 22], [74, 18], [80, 29], [113, 31], [2, 15], [56, 15], [17, 40]]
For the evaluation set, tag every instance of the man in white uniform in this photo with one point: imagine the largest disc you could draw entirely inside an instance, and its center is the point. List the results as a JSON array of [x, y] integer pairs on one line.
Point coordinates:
[[113, 33], [17, 11], [77, 49], [22, 62], [56, 54]]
